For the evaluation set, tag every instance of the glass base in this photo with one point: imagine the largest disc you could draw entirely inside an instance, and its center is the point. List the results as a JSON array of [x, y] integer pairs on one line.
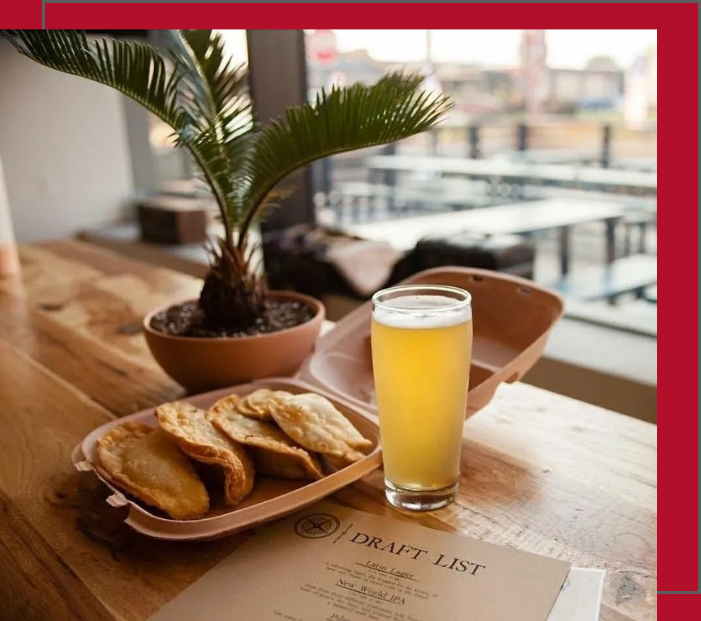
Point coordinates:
[[419, 500]]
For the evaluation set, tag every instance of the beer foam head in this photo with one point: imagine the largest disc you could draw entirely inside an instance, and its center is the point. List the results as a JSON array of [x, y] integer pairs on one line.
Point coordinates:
[[422, 311]]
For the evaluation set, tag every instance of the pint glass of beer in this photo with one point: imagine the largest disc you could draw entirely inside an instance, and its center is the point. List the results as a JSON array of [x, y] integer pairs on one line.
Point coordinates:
[[421, 351]]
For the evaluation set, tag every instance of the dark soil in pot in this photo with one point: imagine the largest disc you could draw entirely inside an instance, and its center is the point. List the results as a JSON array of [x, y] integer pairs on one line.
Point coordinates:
[[187, 320]]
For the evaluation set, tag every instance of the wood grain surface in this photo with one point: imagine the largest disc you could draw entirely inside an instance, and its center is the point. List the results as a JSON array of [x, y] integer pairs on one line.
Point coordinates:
[[541, 472]]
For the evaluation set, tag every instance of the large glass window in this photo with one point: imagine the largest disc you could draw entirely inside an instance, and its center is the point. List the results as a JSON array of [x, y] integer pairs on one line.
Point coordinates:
[[559, 126]]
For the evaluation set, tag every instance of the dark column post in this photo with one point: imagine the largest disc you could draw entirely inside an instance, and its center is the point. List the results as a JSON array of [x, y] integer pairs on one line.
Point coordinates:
[[473, 141], [278, 79], [522, 137], [606, 146]]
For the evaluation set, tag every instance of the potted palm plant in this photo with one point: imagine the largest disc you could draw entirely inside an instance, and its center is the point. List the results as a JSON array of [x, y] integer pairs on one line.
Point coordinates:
[[238, 329]]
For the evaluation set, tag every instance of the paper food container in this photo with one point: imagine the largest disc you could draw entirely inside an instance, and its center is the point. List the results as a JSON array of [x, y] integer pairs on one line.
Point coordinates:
[[511, 320]]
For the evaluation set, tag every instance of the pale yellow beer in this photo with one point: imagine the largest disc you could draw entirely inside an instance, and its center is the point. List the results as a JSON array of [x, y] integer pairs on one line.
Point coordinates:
[[421, 350]]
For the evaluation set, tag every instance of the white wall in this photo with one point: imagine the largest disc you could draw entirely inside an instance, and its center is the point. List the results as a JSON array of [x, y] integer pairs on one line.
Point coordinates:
[[63, 145]]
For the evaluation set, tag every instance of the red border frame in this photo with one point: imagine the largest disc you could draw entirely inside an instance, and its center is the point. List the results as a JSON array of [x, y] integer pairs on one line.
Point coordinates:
[[21, 14], [300, 15], [678, 376], [678, 40]]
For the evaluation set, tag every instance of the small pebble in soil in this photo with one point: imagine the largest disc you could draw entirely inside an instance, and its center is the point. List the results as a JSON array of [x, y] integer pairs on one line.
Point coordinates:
[[187, 320]]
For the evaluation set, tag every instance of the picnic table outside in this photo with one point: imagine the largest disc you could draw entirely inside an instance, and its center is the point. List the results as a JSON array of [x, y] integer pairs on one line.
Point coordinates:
[[519, 173], [548, 156], [514, 219], [616, 277]]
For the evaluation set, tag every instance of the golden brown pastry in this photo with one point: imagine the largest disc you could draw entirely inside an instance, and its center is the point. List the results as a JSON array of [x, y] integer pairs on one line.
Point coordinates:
[[258, 403], [274, 453], [145, 463], [314, 422], [199, 439]]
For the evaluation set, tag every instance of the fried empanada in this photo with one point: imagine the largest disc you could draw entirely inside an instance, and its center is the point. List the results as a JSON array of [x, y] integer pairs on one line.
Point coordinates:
[[226, 404], [253, 404], [274, 453], [335, 462], [258, 403], [199, 439], [145, 463], [313, 421]]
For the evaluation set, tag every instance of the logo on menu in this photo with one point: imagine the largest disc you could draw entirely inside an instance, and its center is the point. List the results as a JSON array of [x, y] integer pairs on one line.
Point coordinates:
[[317, 525]]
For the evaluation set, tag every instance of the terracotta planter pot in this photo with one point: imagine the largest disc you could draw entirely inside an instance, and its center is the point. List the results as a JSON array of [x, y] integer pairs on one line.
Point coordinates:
[[202, 364]]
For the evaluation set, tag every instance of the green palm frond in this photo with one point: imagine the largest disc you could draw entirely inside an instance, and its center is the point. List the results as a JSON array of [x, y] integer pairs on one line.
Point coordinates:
[[216, 87], [407, 81], [343, 119], [217, 83], [135, 69], [200, 92]]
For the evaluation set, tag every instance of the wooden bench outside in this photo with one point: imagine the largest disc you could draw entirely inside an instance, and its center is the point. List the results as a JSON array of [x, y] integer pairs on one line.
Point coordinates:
[[650, 294], [552, 175], [640, 220], [429, 197], [627, 275], [511, 219]]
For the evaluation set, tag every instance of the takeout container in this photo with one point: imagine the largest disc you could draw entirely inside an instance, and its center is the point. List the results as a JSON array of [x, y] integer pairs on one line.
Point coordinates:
[[270, 498], [512, 318]]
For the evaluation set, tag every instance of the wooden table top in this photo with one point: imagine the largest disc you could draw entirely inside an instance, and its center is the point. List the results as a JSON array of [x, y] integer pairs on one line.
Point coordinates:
[[542, 472]]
